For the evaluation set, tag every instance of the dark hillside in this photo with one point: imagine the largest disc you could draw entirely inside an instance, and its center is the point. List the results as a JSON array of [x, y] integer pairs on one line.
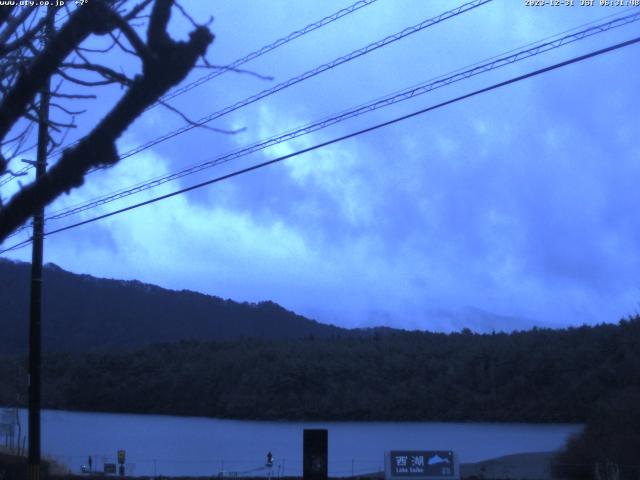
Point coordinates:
[[82, 312]]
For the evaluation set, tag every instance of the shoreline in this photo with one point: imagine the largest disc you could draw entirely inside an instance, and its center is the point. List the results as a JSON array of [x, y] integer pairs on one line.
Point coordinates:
[[534, 465], [308, 420]]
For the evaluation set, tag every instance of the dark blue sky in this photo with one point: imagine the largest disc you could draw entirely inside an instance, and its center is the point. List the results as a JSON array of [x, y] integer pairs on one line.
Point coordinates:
[[511, 209]]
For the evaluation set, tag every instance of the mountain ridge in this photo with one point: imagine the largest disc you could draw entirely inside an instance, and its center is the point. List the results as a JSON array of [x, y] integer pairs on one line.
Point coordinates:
[[83, 312]]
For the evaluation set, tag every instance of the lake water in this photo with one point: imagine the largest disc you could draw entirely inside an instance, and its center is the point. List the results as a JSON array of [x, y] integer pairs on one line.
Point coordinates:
[[167, 445]]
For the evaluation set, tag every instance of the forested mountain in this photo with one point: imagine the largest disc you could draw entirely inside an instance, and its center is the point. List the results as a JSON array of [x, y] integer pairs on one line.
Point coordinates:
[[538, 375], [81, 312]]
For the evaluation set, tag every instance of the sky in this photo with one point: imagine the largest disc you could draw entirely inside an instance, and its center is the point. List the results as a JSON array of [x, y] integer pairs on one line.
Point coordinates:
[[511, 209]]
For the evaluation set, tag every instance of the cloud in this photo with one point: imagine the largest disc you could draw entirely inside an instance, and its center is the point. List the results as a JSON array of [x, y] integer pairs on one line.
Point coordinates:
[[512, 208]]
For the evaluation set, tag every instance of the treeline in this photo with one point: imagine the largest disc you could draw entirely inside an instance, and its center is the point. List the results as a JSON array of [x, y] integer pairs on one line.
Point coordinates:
[[539, 376], [608, 446]]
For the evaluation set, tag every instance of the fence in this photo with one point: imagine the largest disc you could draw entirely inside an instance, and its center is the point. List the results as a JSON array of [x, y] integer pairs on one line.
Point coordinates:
[[226, 468], [338, 468]]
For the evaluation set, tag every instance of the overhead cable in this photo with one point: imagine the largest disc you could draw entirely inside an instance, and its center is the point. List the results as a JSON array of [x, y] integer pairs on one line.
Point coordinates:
[[403, 95], [236, 63], [344, 137], [304, 76], [311, 73], [268, 48]]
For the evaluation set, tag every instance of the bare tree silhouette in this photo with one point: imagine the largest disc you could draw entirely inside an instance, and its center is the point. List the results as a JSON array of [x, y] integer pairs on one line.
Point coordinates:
[[28, 62]]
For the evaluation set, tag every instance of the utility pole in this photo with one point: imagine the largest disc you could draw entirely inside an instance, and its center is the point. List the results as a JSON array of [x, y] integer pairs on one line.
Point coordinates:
[[35, 311]]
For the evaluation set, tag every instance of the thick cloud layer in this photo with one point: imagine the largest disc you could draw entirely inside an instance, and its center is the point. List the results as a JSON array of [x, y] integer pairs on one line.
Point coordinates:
[[511, 209]]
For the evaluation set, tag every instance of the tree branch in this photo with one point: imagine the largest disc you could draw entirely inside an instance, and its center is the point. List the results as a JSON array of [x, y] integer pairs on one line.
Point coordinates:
[[85, 83], [200, 125], [27, 36], [13, 23], [66, 110], [5, 13], [91, 18], [136, 10], [136, 42], [157, 35], [168, 64], [103, 71], [73, 96]]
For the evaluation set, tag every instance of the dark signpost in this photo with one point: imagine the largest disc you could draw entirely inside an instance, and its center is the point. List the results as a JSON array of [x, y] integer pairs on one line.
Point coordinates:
[[121, 459], [315, 444], [421, 464]]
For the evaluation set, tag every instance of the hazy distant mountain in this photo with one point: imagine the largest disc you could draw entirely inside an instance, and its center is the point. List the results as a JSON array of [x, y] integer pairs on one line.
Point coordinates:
[[482, 321], [81, 312], [456, 319]]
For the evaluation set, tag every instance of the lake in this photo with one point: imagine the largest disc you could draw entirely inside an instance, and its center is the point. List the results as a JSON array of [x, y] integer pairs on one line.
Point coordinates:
[[169, 445]]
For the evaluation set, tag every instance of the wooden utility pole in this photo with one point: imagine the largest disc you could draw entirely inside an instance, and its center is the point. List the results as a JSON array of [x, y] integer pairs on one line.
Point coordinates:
[[35, 311]]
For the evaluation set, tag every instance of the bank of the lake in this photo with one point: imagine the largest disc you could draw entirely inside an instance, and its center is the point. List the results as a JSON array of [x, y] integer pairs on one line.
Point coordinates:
[[522, 466], [195, 446]]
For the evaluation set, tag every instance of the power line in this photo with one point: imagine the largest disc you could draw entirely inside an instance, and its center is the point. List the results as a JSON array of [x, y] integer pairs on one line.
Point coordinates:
[[342, 138], [460, 74], [17, 246], [312, 73], [402, 95], [17, 174], [268, 48], [235, 64], [425, 87], [309, 74]]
